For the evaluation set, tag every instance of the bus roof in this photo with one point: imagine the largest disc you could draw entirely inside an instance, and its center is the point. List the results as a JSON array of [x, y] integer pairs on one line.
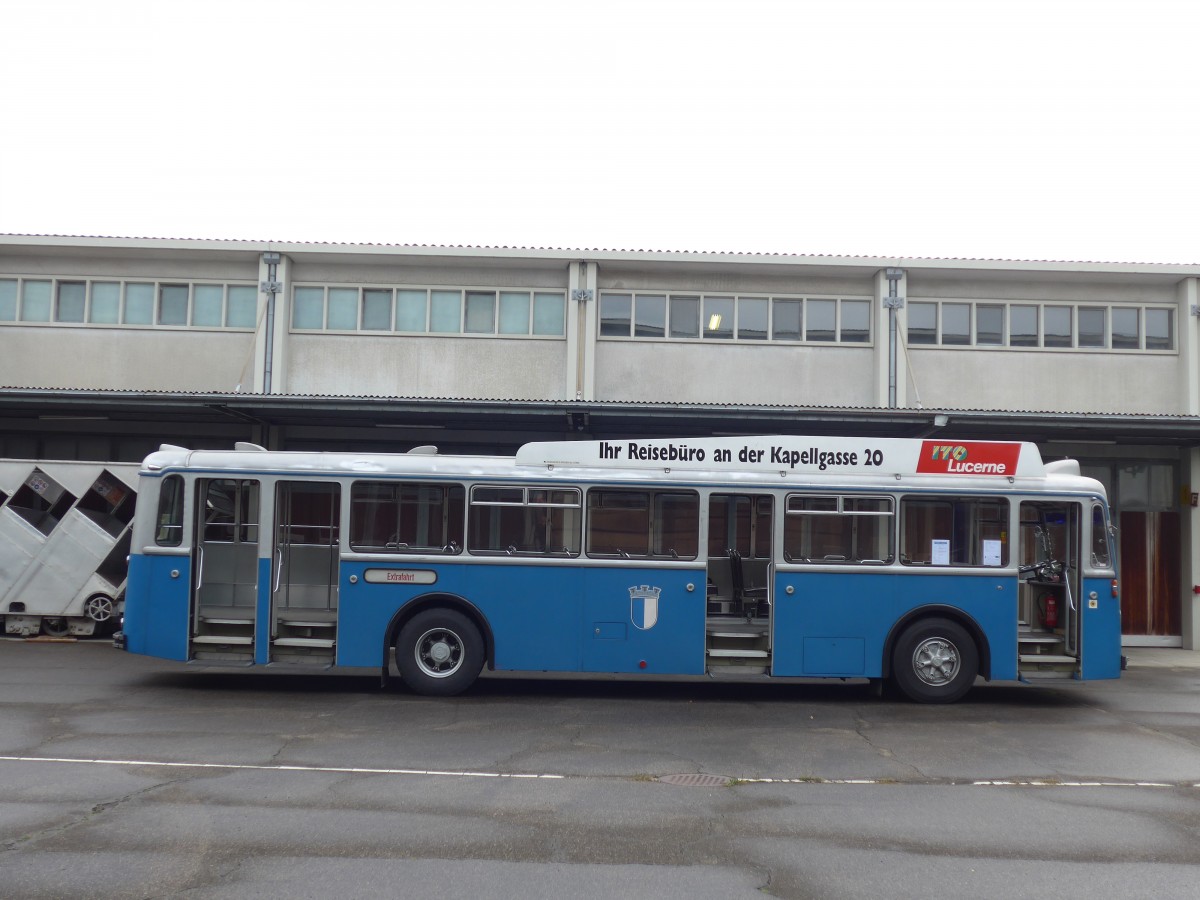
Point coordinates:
[[755, 459]]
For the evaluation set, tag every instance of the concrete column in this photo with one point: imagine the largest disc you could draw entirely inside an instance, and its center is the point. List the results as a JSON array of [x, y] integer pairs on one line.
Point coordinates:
[[582, 302], [1188, 336], [883, 342], [1190, 557], [279, 326]]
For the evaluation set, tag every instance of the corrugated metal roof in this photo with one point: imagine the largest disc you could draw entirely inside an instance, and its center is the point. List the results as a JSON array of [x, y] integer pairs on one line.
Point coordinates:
[[866, 259]]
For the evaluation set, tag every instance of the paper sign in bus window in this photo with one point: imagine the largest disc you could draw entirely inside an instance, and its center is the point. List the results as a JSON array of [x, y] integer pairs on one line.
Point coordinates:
[[991, 553], [940, 554]]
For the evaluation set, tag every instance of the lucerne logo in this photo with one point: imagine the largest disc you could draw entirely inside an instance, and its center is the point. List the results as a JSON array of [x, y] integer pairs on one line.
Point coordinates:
[[643, 606]]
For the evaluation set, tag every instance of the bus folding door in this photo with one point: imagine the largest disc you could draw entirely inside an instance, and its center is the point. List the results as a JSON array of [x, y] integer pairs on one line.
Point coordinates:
[[225, 589], [304, 589]]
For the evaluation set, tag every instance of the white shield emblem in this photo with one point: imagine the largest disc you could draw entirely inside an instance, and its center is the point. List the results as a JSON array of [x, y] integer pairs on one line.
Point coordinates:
[[643, 606]]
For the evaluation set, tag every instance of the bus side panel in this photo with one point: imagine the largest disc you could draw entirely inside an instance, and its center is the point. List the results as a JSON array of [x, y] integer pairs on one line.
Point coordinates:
[[837, 623], [645, 620], [156, 606], [1101, 644], [533, 611], [263, 623]]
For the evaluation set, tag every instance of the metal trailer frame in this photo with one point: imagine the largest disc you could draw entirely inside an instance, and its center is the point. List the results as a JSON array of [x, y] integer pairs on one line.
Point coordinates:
[[65, 528]]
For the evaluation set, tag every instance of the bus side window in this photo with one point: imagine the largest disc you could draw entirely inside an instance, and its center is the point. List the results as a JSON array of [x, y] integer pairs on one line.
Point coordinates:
[[170, 512], [956, 531], [1101, 557]]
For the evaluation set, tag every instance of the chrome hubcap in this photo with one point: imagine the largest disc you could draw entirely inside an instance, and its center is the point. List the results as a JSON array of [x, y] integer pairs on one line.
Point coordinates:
[[439, 652], [935, 661]]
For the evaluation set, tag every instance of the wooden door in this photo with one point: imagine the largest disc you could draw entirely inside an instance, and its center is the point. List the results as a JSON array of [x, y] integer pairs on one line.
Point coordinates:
[[1150, 601]]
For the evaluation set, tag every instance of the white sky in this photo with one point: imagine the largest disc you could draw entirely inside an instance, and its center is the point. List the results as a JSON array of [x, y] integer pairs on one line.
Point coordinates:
[[1030, 130]]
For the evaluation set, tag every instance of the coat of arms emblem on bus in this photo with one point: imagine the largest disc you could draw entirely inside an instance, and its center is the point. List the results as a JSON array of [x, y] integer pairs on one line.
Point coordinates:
[[643, 606]]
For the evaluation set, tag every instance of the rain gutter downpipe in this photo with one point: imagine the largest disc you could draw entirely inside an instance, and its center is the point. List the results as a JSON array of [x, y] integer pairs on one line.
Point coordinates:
[[892, 302], [270, 287]]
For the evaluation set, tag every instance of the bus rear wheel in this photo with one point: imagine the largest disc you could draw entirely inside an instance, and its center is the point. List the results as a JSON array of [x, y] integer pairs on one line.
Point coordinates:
[[439, 653], [935, 661]]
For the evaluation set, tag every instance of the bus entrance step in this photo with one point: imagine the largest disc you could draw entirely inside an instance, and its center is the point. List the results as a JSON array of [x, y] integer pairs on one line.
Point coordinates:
[[739, 654], [222, 639], [1032, 638], [731, 671], [739, 635], [302, 642], [1046, 658]]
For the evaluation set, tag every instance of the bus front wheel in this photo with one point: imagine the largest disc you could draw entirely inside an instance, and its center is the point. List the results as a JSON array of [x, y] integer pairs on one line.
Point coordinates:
[[439, 652], [935, 661]]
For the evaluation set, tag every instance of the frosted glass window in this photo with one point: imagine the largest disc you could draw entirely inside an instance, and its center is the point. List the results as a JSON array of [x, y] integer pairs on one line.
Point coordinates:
[[752, 318], [106, 303], [922, 323], [139, 304], [410, 310], [514, 312], [989, 324], [787, 319], [376, 309], [1056, 320], [72, 297], [1022, 326], [243, 306], [481, 312], [821, 320], [1091, 326], [650, 315], [172, 304], [308, 308], [445, 311], [718, 318], [685, 317], [549, 314], [1159, 330], [1146, 486], [35, 301], [1126, 332], [8, 299], [616, 314], [343, 309], [209, 306], [856, 321], [956, 323]]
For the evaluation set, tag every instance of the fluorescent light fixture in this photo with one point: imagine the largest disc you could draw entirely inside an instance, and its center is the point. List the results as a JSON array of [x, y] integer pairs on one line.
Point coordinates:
[[714, 321]]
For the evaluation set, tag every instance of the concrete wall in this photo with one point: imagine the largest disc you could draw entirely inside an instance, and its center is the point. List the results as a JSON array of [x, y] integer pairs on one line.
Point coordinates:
[[437, 366], [1045, 381], [708, 372], [118, 359]]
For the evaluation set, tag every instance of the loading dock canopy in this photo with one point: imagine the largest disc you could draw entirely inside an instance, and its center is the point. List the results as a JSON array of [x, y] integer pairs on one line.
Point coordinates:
[[504, 425]]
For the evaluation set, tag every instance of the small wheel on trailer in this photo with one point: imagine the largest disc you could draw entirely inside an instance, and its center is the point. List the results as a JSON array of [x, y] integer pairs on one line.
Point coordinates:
[[100, 608], [439, 652], [55, 626], [935, 661]]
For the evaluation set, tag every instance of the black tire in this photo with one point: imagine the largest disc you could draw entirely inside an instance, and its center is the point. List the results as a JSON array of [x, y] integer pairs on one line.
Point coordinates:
[[55, 626], [935, 661], [439, 653]]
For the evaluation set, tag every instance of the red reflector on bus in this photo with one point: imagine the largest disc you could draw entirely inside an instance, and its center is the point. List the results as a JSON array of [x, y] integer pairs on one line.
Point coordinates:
[[1116, 592]]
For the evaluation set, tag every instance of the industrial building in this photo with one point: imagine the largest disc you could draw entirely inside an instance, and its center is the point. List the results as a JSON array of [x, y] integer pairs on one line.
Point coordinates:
[[113, 346]]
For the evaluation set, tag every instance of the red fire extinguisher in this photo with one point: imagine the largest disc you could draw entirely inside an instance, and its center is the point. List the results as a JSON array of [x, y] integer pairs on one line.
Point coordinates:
[[1049, 611]]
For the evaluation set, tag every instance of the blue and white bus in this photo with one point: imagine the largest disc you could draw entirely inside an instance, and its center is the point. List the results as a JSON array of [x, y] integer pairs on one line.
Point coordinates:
[[928, 563]]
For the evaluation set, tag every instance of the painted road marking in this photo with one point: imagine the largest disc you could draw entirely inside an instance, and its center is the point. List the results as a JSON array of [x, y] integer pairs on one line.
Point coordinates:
[[732, 780]]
